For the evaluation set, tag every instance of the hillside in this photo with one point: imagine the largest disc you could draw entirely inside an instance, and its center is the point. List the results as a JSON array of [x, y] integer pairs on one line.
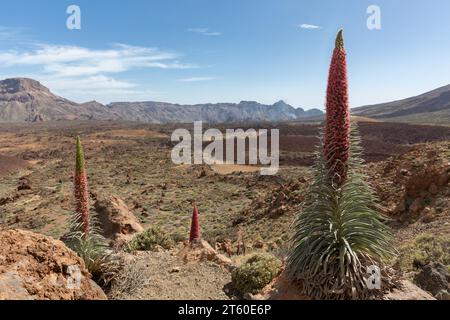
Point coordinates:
[[430, 107], [26, 100]]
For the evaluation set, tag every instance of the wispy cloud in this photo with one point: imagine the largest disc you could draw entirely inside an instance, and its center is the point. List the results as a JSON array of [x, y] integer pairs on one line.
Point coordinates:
[[13, 34], [197, 79], [99, 87], [309, 26], [79, 61], [80, 71], [204, 31]]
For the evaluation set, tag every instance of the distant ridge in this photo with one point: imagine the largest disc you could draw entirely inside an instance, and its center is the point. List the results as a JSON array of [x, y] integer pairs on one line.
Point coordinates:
[[161, 112], [430, 107], [26, 100]]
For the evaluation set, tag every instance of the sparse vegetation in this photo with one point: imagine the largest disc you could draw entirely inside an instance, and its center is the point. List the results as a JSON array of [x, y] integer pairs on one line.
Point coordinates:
[[130, 279], [179, 235], [150, 239], [122, 152], [424, 249], [255, 273]]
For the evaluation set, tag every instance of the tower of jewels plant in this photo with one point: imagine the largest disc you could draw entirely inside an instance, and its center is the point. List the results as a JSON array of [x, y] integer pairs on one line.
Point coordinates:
[[81, 191], [339, 231], [84, 236], [195, 226]]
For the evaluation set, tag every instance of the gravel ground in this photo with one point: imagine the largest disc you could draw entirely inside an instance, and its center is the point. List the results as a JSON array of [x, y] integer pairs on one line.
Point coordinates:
[[170, 278]]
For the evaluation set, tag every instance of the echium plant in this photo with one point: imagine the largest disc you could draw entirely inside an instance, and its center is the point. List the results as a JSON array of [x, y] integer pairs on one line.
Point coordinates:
[[195, 226], [84, 236], [339, 232], [337, 129], [81, 191]]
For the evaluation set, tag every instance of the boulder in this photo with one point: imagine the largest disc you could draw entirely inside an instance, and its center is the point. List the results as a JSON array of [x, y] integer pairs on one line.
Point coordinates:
[[12, 287], [116, 221], [433, 278], [416, 206], [443, 295], [201, 250], [24, 184], [428, 215], [408, 291], [37, 267]]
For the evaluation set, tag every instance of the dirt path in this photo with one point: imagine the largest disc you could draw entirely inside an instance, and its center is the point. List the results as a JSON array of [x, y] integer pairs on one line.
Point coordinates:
[[169, 278]]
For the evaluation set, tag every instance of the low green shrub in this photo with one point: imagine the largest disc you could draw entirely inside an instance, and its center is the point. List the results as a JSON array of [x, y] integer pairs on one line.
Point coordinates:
[[255, 273], [149, 239], [424, 249], [180, 235]]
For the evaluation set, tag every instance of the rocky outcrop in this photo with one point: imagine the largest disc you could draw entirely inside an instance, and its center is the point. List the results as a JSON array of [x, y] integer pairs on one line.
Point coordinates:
[[408, 291], [434, 278], [414, 186], [117, 222], [201, 250], [421, 189], [37, 267], [422, 185]]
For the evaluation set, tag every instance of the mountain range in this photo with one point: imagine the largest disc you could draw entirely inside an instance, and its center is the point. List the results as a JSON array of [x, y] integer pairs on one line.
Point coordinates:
[[27, 100]]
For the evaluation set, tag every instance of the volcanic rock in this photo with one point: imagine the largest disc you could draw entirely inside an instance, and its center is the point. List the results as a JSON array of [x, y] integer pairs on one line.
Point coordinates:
[[117, 222], [37, 267]]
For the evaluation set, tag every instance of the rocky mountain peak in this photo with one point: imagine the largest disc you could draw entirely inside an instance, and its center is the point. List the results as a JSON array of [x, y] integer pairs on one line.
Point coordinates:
[[281, 103], [19, 85]]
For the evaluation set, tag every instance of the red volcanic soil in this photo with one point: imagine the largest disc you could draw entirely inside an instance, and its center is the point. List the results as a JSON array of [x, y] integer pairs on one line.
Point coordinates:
[[11, 164], [379, 140]]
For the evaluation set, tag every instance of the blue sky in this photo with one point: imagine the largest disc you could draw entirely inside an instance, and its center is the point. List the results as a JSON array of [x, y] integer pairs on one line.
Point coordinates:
[[197, 51]]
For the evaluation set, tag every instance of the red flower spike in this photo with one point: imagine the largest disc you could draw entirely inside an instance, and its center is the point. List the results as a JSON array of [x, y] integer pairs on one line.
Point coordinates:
[[195, 226], [337, 128], [81, 190]]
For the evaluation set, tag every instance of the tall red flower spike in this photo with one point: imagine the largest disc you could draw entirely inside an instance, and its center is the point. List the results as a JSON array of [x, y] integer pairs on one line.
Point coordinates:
[[337, 128], [81, 190], [195, 226]]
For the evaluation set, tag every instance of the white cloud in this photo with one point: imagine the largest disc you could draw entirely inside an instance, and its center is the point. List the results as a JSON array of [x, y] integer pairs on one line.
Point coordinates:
[[204, 31], [198, 30], [75, 71], [78, 61], [88, 84], [309, 26], [196, 79]]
